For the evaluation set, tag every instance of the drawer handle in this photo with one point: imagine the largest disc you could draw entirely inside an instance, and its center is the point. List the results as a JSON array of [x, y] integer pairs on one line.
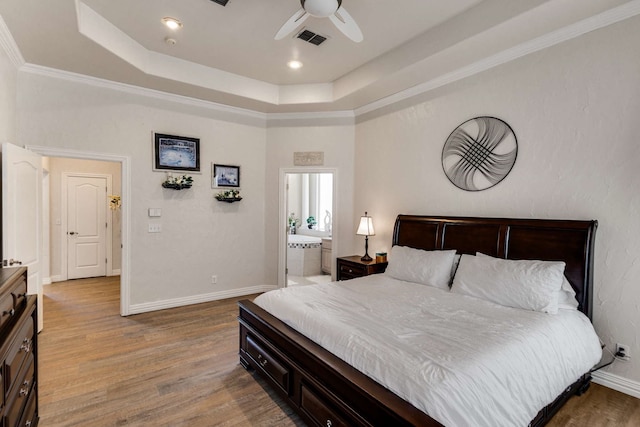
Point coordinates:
[[26, 345], [261, 361], [25, 389], [350, 271], [9, 312], [329, 423]]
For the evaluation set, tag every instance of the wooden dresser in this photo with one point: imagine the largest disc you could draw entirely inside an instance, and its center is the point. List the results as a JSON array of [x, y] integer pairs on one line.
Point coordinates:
[[18, 350]]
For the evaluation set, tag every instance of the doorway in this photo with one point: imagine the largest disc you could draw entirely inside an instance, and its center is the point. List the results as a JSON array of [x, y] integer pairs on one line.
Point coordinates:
[[120, 217], [307, 219]]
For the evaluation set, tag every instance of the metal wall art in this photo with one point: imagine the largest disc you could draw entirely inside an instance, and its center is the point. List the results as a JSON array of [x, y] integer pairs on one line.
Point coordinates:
[[479, 153]]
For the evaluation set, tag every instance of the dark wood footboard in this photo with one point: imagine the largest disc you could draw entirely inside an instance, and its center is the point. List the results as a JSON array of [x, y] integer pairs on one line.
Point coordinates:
[[322, 388]]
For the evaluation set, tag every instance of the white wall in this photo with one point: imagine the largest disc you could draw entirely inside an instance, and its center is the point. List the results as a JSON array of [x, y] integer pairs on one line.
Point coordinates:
[[200, 236], [57, 166], [8, 87], [575, 110], [337, 143]]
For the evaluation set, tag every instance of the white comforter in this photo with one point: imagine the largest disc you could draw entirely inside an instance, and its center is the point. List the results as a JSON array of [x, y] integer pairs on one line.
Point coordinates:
[[462, 360]]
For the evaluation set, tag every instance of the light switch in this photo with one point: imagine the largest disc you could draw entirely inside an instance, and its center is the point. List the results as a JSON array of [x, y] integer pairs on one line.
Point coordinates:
[[155, 212], [155, 228]]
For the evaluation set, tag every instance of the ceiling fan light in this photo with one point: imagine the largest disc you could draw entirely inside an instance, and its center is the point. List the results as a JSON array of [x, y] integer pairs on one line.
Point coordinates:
[[294, 65], [321, 8]]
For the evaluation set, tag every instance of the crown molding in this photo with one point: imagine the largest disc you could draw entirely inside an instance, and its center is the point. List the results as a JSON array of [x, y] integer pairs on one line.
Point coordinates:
[[254, 118], [553, 38], [322, 118], [9, 45], [241, 115]]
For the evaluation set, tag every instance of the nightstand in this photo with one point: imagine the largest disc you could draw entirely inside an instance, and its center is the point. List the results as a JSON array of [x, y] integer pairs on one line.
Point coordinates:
[[350, 267]]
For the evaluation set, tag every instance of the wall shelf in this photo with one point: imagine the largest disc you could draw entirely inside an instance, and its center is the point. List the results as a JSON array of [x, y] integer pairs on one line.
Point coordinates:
[[228, 199]]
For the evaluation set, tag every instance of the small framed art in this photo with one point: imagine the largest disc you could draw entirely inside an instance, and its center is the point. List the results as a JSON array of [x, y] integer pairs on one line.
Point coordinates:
[[175, 153], [225, 176]]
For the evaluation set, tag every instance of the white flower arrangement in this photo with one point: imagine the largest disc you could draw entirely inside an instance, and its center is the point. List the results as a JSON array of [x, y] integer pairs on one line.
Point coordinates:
[[178, 182], [229, 195]]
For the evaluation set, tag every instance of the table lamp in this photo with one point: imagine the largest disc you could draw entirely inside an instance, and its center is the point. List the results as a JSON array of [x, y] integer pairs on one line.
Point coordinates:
[[366, 229]]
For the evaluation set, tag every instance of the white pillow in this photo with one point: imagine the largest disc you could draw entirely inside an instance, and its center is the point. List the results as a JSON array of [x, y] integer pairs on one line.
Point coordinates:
[[566, 294], [431, 268], [527, 284]]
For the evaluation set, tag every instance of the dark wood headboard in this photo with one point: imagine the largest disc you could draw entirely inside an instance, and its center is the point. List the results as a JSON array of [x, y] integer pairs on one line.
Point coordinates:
[[543, 239]]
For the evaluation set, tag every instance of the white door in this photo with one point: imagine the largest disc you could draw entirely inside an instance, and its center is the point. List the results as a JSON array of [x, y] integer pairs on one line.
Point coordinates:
[[21, 211], [86, 226]]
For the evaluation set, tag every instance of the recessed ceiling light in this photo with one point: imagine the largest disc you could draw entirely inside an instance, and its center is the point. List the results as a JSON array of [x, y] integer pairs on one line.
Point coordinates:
[[294, 65], [172, 23]]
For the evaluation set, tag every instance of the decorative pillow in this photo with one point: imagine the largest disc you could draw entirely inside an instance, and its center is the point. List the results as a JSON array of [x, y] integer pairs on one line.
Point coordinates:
[[431, 268], [527, 284]]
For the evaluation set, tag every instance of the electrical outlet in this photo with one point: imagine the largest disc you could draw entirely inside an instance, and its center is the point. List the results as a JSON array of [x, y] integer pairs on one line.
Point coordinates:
[[214, 279], [622, 352]]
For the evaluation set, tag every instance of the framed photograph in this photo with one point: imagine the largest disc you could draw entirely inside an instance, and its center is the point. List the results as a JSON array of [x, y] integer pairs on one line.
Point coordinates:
[[225, 176], [176, 153]]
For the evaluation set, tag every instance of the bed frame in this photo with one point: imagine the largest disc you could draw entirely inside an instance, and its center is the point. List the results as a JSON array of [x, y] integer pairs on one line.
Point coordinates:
[[326, 391]]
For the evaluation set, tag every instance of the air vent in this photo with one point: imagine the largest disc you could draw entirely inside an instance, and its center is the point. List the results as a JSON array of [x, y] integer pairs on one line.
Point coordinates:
[[221, 2], [311, 37]]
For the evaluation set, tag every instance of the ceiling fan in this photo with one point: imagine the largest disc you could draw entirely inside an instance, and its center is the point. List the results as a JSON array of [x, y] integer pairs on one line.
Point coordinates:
[[331, 9]]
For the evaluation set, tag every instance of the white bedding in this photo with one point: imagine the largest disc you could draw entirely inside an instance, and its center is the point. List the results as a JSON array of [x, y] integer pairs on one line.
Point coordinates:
[[462, 360]]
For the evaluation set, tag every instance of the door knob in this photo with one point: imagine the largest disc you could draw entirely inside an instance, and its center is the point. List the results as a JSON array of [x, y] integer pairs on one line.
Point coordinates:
[[72, 233]]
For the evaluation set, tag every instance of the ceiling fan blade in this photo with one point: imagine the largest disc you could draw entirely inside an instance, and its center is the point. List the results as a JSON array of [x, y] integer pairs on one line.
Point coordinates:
[[345, 23], [294, 22]]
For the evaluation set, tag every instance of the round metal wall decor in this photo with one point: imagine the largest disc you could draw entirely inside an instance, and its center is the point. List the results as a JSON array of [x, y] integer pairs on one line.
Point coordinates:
[[479, 153]]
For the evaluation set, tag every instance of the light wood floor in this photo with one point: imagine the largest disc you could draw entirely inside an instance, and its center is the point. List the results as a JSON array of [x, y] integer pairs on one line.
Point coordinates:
[[179, 367]]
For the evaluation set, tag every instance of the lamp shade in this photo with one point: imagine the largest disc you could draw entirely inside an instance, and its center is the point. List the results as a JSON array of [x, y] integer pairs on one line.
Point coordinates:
[[366, 226]]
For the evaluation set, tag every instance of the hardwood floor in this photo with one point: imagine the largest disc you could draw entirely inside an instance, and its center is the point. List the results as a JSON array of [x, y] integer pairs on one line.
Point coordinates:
[[179, 367], [176, 367]]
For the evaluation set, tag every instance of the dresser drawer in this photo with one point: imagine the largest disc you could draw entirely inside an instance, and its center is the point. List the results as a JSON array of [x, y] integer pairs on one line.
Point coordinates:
[[20, 395], [29, 415], [350, 271], [319, 409], [268, 363], [12, 303], [18, 353], [7, 309]]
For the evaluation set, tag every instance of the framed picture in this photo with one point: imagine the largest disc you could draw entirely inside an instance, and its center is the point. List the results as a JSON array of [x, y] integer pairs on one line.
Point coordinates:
[[176, 153], [225, 176]]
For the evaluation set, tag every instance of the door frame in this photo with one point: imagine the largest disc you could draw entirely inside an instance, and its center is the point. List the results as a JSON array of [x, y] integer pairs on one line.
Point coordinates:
[[125, 209], [65, 225], [283, 214]]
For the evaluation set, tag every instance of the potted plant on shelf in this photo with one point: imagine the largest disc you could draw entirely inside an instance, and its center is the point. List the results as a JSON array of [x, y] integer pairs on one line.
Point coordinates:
[[311, 222], [177, 182], [229, 196]]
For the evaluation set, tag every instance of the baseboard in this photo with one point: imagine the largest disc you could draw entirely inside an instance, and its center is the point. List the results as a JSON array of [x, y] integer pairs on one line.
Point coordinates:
[[618, 383], [197, 299], [56, 279], [115, 272], [46, 281]]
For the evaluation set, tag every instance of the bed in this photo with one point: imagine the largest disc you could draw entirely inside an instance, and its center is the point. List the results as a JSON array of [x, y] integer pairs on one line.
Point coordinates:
[[326, 390]]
